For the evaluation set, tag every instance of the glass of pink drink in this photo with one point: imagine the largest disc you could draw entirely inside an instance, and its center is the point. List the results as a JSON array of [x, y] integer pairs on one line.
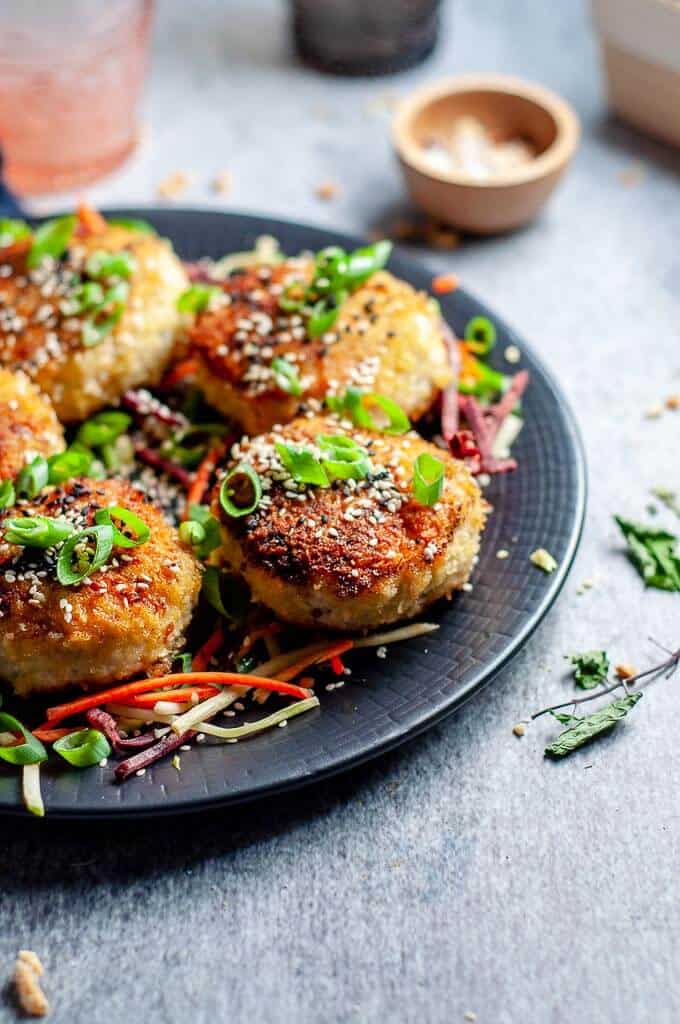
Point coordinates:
[[71, 75]]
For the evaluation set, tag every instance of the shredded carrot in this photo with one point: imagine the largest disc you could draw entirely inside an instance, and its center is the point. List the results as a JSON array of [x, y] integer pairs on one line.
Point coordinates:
[[91, 221], [332, 651], [148, 700], [469, 364], [444, 283], [118, 694], [47, 734], [202, 476], [201, 659], [179, 372], [337, 665]]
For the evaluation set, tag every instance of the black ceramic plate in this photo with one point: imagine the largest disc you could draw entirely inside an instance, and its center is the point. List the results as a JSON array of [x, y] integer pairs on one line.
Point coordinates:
[[386, 701]]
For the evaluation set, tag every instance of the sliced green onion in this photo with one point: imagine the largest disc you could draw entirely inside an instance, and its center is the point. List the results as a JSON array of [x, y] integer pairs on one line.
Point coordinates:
[[191, 533], [95, 330], [86, 562], [142, 227], [84, 748], [110, 264], [201, 516], [428, 478], [323, 316], [342, 457], [132, 525], [241, 491], [30, 787], [227, 594], [12, 231], [32, 478], [103, 428], [31, 751], [489, 383], [185, 662], [355, 404], [286, 374], [36, 531], [68, 464], [302, 464], [196, 298], [293, 297], [51, 239], [480, 335], [7, 494], [364, 262], [86, 296]]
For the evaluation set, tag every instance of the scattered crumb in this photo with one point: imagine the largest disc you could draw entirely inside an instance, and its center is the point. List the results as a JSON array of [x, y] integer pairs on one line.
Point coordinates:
[[327, 190], [512, 354], [519, 729], [103, 763], [673, 402], [625, 671], [222, 183], [440, 236], [381, 652], [469, 1015], [502, 553], [631, 175], [30, 996], [483, 479], [176, 763], [542, 559], [654, 411], [174, 185], [442, 284], [585, 585]]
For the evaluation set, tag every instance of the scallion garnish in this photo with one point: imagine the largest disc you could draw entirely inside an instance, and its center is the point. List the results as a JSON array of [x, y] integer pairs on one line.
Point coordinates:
[[68, 464], [185, 662], [323, 316], [486, 382], [84, 748], [31, 751], [77, 560], [196, 298], [103, 264], [135, 531], [142, 227], [480, 335], [51, 239], [32, 478], [428, 478], [7, 494], [36, 531], [86, 296], [342, 458], [191, 533], [356, 404], [302, 464], [12, 231], [96, 329], [241, 491], [362, 263], [286, 375], [201, 516], [103, 428]]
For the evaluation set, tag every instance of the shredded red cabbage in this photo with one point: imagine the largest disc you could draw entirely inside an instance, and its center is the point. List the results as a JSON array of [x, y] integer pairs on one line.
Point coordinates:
[[475, 444], [147, 757]]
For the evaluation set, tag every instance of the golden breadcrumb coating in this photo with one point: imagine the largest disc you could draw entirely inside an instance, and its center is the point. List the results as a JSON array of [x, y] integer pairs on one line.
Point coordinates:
[[358, 554], [28, 424], [126, 618], [388, 338], [41, 337]]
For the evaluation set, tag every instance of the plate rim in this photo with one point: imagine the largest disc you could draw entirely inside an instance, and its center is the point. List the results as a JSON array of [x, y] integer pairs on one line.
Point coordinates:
[[191, 805]]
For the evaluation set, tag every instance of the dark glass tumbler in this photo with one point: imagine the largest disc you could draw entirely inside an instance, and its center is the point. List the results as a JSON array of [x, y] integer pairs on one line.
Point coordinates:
[[365, 37]]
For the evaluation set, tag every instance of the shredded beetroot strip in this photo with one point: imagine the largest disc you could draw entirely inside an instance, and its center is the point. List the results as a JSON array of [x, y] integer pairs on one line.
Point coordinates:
[[156, 461], [106, 723], [147, 757], [475, 445], [449, 417], [136, 403]]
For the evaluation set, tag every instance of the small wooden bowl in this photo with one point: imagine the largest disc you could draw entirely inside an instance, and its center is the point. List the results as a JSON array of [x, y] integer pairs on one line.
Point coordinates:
[[509, 108]]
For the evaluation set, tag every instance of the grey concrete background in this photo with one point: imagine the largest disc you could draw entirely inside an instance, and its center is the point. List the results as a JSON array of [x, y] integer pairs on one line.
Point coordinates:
[[461, 873]]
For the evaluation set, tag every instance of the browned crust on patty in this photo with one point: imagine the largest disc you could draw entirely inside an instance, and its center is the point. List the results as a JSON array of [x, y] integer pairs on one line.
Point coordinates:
[[28, 424]]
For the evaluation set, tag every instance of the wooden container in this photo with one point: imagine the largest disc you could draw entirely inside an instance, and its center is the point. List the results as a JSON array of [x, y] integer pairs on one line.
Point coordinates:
[[509, 108]]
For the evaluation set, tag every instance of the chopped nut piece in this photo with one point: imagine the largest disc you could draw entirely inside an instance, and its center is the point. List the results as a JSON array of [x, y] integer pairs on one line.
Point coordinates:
[[502, 553], [470, 1016], [625, 671], [512, 354], [31, 997], [673, 402], [519, 729], [542, 559], [222, 183], [327, 190], [174, 185]]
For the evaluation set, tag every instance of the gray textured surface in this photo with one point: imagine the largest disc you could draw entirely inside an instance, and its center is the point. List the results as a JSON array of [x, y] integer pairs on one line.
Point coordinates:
[[462, 873]]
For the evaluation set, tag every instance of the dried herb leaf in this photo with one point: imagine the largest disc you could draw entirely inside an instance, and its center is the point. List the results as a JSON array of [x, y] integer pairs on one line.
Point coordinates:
[[668, 498], [590, 668], [583, 730], [652, 551]]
